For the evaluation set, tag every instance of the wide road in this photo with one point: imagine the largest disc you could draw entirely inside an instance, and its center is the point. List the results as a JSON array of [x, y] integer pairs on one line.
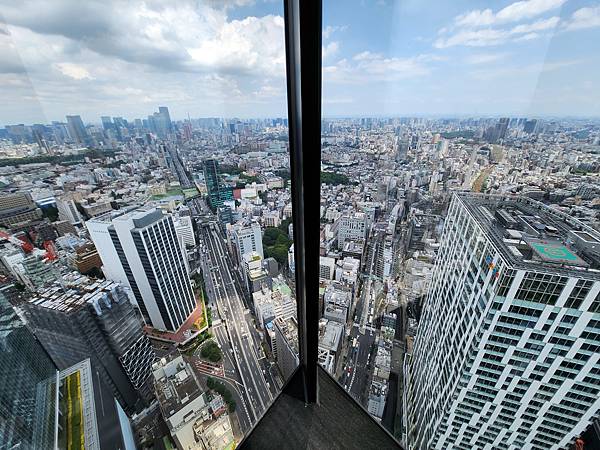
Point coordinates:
[[357, 369], [244, 345]]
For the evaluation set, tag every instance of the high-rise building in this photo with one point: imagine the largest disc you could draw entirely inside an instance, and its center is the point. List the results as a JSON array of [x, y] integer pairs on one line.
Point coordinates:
[[78, 319], [77, 130], [213, 186], [507, 352], [140, 248], [27, 400], [530, 126]]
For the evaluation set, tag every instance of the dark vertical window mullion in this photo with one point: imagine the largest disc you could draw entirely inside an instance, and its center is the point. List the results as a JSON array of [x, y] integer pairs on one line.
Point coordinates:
[[303, 24]]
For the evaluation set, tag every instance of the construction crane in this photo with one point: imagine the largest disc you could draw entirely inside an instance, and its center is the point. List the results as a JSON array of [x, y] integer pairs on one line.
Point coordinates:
[[20, 241]]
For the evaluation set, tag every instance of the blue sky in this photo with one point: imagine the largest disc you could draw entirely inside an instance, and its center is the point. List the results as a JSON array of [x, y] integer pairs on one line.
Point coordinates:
[[226, 58], [462, 58]]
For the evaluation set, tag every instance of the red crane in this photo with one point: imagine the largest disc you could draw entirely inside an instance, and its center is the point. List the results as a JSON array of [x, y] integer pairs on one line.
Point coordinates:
[[21, 241]]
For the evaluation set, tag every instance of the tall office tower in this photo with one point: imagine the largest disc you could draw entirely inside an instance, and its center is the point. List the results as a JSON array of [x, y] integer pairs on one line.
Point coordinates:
[[530, 126], [17, 209], [247, 240], [502, 127], [78, 319], [27, 400], [351, 227], [77, 130], [507, 353], [166, 117], [107, 123], [140, 248], [213, 186]]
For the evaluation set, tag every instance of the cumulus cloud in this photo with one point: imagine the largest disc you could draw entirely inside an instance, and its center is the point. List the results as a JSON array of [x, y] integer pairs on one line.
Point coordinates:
[[514, 12], [330, 49], [120, 54], [479, 28], [588, 17], [374, 67]]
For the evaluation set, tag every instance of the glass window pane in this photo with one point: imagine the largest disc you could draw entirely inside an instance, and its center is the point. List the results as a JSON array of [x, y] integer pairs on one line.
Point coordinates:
[[459, 178], [145, 215]]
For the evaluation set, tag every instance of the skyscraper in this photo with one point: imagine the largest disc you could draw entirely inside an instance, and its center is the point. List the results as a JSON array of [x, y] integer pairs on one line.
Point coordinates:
[[140, 248], [77, 130], [217, 194], [27, 400], [507, 353], [42, 408], [77, 319]]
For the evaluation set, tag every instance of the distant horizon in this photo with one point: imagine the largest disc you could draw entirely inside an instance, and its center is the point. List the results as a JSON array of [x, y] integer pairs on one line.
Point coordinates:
[[339, 117], [516, 58]]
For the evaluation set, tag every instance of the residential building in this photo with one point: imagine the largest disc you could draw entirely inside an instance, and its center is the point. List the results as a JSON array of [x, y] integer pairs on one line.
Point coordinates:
[[247, 239], [506, 352], [286, 345], [18, 209]]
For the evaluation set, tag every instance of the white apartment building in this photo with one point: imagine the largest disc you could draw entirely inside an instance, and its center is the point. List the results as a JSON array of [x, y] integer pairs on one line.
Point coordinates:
[[247, 239], [507, 352], [141, 249]]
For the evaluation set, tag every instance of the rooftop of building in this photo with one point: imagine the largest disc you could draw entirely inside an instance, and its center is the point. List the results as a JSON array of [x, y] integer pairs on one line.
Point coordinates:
[[534, 236], [330, 334], [72, 292], [175, 385], [289, 329]]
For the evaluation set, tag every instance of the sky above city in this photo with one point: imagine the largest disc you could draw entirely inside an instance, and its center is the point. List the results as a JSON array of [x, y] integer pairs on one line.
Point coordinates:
[[226, 58]]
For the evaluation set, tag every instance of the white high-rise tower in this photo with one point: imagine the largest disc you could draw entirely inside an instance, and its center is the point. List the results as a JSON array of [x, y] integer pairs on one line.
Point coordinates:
[[507, 354], [141, 249]]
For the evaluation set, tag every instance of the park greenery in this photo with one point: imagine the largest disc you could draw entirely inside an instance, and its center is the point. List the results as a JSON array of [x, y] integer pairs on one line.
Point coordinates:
[[211, 351], [58, 159], [335, 178], [276, 242], [189, 348], [216, 385]]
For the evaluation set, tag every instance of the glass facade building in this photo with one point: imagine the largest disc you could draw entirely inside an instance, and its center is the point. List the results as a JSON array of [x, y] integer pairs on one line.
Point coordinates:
[[28, 388]]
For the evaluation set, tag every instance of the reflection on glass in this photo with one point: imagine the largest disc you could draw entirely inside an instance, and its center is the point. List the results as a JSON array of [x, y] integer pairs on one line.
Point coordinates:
[[145, 219], [460, 175]]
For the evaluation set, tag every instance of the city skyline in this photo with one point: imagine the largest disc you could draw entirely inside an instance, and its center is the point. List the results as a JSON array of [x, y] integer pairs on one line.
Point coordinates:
[[227, 59]]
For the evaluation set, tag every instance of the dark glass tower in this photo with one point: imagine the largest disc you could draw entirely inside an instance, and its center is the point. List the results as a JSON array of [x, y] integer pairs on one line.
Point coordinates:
[[28, 386]]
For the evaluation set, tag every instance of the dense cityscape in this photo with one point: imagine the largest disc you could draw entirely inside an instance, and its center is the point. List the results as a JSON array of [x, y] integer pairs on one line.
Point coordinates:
[[147, 275]]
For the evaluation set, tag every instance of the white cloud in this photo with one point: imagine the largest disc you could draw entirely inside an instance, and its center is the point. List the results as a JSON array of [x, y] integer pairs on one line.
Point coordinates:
[[514, 12], [540, 25], [527, 9], [484, 58], [189, 55], [374, 67], [474, 38], [329, 30], [74, 71], [330, 49], [482, 37], [588, 17]]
